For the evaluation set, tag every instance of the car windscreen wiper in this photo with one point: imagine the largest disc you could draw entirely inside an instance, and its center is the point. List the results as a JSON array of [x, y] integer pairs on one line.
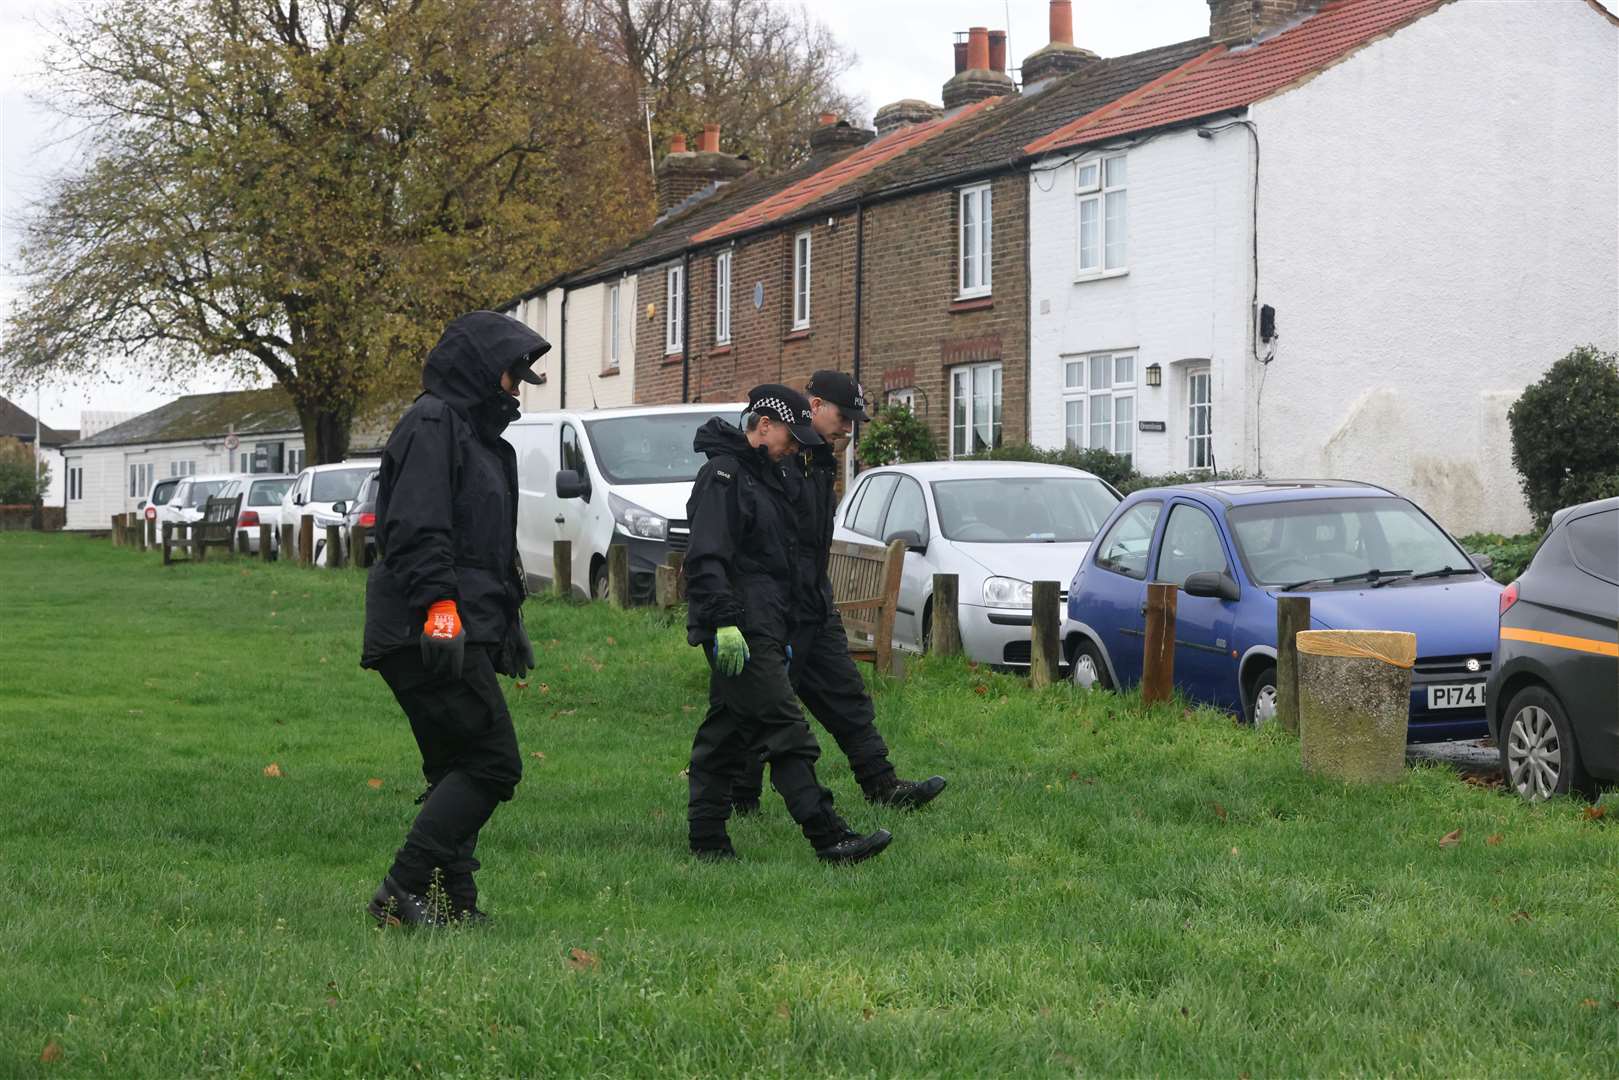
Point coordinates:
[[1446, 571], [1373, 575]]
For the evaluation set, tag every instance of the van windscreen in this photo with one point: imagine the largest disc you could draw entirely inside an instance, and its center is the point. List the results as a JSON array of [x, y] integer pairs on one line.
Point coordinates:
[[653, 449]]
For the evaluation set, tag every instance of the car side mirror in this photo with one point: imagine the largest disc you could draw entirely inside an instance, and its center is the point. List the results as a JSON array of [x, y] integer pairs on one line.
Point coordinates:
[[340, 507], [141, 505], [1216, 584], [1483, 562], [571, 485], [913, 540]]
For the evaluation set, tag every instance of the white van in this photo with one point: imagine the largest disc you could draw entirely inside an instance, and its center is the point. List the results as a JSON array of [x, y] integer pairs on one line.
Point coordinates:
[[607, 477]]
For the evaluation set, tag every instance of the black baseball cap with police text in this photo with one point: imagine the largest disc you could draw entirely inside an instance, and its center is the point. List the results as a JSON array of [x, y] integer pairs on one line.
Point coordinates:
[[842, 391], [787, 406]]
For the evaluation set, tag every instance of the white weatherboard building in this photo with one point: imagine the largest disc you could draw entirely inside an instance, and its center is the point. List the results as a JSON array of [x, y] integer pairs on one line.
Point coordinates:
[[591, 329], [1433, 214]]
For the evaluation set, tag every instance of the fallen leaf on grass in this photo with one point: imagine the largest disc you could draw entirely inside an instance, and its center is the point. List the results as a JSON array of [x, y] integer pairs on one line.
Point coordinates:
[[52, 1052], [375, 783], [580, 960], [538, 755], [1590, 1003], [521, 684], [1595, 813], [1451, 839], [545, 688], [782, 1010], [1219, 811], [980, 689], [272, 770], [1493, 839], [866, 1014], [612, 641], [1233, 851], [1483, 780], [688, 708], [1522, 917]]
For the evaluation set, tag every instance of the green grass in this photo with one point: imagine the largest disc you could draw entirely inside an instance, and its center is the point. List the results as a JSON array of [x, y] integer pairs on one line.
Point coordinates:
[[1102, 889]]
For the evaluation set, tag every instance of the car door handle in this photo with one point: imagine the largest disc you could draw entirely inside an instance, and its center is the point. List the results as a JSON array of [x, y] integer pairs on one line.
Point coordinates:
[[1143, 609], [560, 520]]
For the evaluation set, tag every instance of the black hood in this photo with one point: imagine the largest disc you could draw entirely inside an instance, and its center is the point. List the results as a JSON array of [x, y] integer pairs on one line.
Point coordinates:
[[721, 438], [464, 368]]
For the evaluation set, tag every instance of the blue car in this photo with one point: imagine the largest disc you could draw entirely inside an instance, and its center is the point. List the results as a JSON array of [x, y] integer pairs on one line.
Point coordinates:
[[1367, 559]]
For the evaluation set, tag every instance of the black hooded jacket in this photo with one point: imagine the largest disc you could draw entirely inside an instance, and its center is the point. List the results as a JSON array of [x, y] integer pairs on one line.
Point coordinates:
[[812, 489], [447, 495], [740, 567]]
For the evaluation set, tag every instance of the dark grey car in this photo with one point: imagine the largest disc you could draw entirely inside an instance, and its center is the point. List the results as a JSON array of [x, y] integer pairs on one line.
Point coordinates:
[[1553, 694]]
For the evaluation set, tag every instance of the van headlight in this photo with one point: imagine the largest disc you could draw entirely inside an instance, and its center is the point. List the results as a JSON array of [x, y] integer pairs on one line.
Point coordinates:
[[637, 520], [1005, 592]]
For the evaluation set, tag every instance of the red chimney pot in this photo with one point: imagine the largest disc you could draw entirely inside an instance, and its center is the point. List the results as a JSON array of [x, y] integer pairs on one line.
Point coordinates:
[[978, 48], [677, 145], [710, 141], [961, 57], [1062, 22], [828, 119], [997, 50]]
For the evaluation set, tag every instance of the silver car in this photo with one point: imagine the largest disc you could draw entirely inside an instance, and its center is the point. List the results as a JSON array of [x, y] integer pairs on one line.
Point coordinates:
[[999, 526], [261, 505]]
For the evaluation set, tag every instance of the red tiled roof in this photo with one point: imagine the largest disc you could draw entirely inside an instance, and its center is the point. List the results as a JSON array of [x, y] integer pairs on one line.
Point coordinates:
[[1222, 79], [836, 175]]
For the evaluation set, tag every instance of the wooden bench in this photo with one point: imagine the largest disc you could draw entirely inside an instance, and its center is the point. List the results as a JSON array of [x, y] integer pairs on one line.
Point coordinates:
[[865, 589], [216, 529]]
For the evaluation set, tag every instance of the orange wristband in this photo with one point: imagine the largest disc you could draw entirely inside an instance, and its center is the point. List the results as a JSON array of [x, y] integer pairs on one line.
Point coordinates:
[[443, 620]]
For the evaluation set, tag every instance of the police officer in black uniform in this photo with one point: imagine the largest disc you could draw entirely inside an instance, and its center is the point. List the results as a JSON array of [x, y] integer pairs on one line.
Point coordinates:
[[740, 570], [823, 673], [442, 606]]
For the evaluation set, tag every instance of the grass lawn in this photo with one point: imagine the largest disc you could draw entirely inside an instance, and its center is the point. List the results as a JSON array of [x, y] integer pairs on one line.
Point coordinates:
[[1102, 889]]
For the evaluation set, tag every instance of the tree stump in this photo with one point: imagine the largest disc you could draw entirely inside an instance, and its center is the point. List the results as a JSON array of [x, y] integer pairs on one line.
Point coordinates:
[[1355, 703], [618, 576], [1292, 619], [944, 635], [562, 568], [1045, 641]]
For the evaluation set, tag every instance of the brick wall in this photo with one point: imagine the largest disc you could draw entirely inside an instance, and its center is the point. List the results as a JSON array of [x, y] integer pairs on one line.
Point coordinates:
[[1241, 19]]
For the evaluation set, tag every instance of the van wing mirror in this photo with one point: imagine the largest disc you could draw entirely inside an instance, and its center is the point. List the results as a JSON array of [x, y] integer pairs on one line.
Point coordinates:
[[571, 485], [1216, 584]]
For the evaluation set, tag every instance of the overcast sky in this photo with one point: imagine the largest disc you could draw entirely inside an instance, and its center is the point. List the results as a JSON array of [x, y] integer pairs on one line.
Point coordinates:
[[903, 48]]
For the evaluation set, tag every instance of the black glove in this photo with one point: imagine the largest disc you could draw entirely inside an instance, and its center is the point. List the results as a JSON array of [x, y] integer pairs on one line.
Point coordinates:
[[444, 642]]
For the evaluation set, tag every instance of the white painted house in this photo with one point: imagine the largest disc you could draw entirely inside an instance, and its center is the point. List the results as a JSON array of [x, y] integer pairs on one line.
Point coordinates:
[[591, 329], [239, 431], [1424, 193]]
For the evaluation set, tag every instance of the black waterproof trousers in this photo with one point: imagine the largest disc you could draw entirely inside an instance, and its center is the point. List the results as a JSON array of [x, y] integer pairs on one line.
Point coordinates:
[[471, 762], [829, 684], [753, 716]]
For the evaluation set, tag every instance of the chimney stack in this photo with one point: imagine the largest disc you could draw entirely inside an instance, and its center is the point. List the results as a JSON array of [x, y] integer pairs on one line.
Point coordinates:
[[832, 135], [683, 173], [904, 113], [980, 78], [1237, 21], [1061, 56], [997, 50], [961, 57]]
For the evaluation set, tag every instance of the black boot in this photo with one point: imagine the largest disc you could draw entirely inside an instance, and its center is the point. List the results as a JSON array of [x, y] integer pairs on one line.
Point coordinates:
[[709, 841], [395, 905], [853, 848], [906, 794]]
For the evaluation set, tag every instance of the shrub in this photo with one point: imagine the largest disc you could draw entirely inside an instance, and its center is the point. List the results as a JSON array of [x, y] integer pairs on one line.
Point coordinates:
[[1137, 481], [1565, 433], [893, 435], [23, 476], [1511, 553], [1110, 467]]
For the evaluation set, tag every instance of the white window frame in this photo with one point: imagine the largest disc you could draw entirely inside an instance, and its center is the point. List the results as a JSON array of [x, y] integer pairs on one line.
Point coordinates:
[[75, 483], [974, 241], [674, 294], [803, 260], [610, 350], [1092, 189], [968, 374], [1197, 439], [1087, 380], [722, 298]]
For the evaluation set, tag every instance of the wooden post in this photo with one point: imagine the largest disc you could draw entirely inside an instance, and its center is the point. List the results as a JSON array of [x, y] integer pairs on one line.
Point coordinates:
[[306, 539], [562, 568], [357, 540], [618, 575], [138, 533], [199, 550], [1158, 668], [334, 547], [243, 547], [1355, 702], [168, 542], [117, 536], [265, 533], [1292, 618], [288, 543], [676, 562], [151, 532], [1045, 643], [945, 632], [667, 590]]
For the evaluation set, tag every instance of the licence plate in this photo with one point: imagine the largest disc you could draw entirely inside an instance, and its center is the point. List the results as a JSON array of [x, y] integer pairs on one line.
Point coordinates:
[[1464, 696]]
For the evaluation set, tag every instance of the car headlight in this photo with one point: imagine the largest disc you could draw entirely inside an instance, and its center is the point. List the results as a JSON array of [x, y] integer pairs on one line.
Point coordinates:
[[637, 520], [1005, 592]]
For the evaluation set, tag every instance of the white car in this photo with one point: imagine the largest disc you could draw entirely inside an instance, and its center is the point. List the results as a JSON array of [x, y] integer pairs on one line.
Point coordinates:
[[999, 526], [261, 505], [191, 496], [607, 478], [315, 492], [155, 506]]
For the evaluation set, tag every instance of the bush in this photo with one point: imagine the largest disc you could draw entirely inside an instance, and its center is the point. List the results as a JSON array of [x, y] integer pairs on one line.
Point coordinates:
[[23, 476], [1110, 467], [893, 435], [1511, 553], [1565, 433], [1137, 481]]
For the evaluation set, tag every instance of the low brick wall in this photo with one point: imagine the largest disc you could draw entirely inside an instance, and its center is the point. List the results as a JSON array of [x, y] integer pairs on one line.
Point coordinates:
[[16, 517]]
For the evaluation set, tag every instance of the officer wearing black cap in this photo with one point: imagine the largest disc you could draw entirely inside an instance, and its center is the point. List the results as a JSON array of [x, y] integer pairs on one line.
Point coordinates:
[[740, 570], [823, 673]]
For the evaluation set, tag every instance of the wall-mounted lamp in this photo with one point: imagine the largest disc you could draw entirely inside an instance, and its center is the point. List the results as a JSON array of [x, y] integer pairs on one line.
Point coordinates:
[[1155, 375]]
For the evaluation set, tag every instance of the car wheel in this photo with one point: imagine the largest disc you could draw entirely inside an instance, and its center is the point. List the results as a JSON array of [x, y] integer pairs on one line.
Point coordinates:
[[598, 581], [1262, 698], [1538, 754], [1088, 670]]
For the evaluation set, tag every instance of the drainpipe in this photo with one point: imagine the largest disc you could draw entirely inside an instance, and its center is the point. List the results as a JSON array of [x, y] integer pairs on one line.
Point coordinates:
[[562, 351], [859, 281], [685, 326]]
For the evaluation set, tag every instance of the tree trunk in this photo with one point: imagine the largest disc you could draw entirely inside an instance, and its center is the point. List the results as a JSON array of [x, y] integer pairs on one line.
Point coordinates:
[[326, 432]]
